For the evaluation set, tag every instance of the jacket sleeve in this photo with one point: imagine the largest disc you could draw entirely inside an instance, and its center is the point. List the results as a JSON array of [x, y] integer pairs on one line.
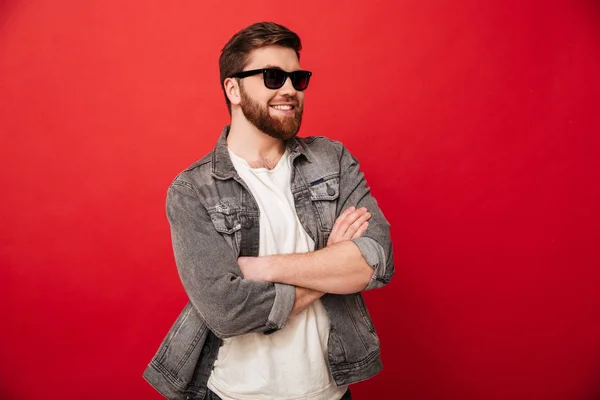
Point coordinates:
[[212, 279], [375, 244]]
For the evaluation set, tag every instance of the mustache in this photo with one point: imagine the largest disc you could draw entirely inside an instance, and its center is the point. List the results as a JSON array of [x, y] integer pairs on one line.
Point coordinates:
[[291, 101]]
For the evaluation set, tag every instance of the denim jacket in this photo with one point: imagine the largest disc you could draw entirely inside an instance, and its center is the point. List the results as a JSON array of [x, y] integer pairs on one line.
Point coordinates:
[[214, 219]]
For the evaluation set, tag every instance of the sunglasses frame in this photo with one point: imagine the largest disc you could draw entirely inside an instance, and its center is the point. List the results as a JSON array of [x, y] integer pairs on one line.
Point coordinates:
[[245, 74]]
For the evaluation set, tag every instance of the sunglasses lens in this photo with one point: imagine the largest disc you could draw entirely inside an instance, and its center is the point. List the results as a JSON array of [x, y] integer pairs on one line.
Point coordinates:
[[300, 79], [274, 78]]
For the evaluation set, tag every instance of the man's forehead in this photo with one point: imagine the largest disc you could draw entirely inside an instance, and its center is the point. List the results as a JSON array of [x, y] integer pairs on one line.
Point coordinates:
[[273, 57]]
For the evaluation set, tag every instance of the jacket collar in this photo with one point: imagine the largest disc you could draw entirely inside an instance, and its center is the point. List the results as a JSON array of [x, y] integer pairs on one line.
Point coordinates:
[[222, 167]]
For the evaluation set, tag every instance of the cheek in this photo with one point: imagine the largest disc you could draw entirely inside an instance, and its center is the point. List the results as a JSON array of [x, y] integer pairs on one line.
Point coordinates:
[[256, 90], [264, 96]]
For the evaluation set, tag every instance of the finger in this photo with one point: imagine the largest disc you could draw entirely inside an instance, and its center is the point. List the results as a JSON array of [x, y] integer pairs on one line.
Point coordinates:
[[345, 224], [352, 217], [361, 230], [342, 217], [356, 224], [345, 214]]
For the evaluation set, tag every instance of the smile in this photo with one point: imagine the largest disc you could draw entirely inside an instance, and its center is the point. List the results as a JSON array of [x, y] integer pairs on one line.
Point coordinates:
[[286, 107]]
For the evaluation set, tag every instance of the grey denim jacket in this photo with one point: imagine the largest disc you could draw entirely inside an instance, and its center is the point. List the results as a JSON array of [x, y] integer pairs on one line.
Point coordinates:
[[214, 220]]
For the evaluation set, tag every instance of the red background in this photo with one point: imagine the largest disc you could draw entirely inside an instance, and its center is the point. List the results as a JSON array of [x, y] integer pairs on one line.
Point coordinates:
[[477, 125]]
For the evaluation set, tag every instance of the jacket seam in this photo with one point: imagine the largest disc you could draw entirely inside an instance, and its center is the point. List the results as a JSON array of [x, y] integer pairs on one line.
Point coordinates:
[[180, 182], [354, 322], [161, 356], [190, 349]]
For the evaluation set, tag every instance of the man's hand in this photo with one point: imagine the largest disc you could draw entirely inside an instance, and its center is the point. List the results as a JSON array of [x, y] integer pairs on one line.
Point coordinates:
[[351, 224]]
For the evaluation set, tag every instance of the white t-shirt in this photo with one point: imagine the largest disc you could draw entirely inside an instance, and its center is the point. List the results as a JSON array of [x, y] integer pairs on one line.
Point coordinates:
[[292, 362]]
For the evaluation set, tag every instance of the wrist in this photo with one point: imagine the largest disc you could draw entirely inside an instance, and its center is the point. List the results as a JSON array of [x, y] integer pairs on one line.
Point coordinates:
[[269, 272]]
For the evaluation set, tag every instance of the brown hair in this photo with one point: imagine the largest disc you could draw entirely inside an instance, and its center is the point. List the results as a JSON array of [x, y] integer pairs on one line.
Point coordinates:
[[234, 55]]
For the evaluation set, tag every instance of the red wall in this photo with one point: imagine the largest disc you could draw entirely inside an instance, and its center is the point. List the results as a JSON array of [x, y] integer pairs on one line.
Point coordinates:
[[478, 127]]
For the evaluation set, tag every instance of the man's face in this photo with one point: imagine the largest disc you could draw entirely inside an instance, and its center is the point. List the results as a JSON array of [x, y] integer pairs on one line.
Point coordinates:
[[268, 109]]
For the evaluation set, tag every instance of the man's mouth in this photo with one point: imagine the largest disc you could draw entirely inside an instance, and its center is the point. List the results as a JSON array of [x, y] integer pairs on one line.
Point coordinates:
[[283, 107]]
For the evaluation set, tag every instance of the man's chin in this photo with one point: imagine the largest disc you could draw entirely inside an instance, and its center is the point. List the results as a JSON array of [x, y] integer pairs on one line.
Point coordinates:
[[283, 135], [281, 117], [286, 129]]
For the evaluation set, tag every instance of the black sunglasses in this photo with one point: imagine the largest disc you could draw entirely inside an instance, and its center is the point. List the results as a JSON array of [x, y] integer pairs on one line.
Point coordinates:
[[275, 78]]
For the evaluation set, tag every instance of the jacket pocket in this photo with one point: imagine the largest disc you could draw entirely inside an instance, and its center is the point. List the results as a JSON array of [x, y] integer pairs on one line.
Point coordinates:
[[229, 225], [324, 193]]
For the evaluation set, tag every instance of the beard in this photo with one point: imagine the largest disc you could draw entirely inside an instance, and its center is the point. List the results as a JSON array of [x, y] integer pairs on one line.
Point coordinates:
[[258, 115]]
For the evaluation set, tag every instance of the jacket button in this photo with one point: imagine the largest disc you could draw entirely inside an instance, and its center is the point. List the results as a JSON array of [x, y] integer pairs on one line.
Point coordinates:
[[248, 223], [330, 190]]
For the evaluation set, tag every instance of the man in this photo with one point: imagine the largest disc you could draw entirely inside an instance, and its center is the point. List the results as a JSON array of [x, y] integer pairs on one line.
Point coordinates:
[[274, 237]]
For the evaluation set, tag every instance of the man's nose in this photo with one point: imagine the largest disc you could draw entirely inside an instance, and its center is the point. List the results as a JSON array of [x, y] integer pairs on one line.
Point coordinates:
[[288, 87]]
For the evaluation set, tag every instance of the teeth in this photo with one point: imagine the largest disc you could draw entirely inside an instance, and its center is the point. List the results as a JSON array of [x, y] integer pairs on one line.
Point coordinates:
[[282, 107]]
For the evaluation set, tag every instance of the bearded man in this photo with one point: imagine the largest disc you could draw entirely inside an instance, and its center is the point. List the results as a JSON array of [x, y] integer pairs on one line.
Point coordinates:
[[275, 237]]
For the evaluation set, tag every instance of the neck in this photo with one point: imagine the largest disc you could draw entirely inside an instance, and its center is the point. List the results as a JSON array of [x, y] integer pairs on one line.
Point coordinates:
[[253, 145]]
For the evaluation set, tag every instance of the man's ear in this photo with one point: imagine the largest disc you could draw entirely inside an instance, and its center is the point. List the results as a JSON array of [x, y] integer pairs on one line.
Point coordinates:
[[232, 89]]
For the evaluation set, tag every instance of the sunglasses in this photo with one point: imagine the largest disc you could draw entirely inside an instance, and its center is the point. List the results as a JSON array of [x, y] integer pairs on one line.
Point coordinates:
[[275, 78]]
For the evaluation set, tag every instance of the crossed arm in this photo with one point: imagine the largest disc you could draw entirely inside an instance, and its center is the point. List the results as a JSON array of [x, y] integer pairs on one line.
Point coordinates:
[[339, 268]]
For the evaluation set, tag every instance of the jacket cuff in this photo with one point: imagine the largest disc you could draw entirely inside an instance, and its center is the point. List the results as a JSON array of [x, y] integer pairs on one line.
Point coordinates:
[[375, 256], [282, 306]]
